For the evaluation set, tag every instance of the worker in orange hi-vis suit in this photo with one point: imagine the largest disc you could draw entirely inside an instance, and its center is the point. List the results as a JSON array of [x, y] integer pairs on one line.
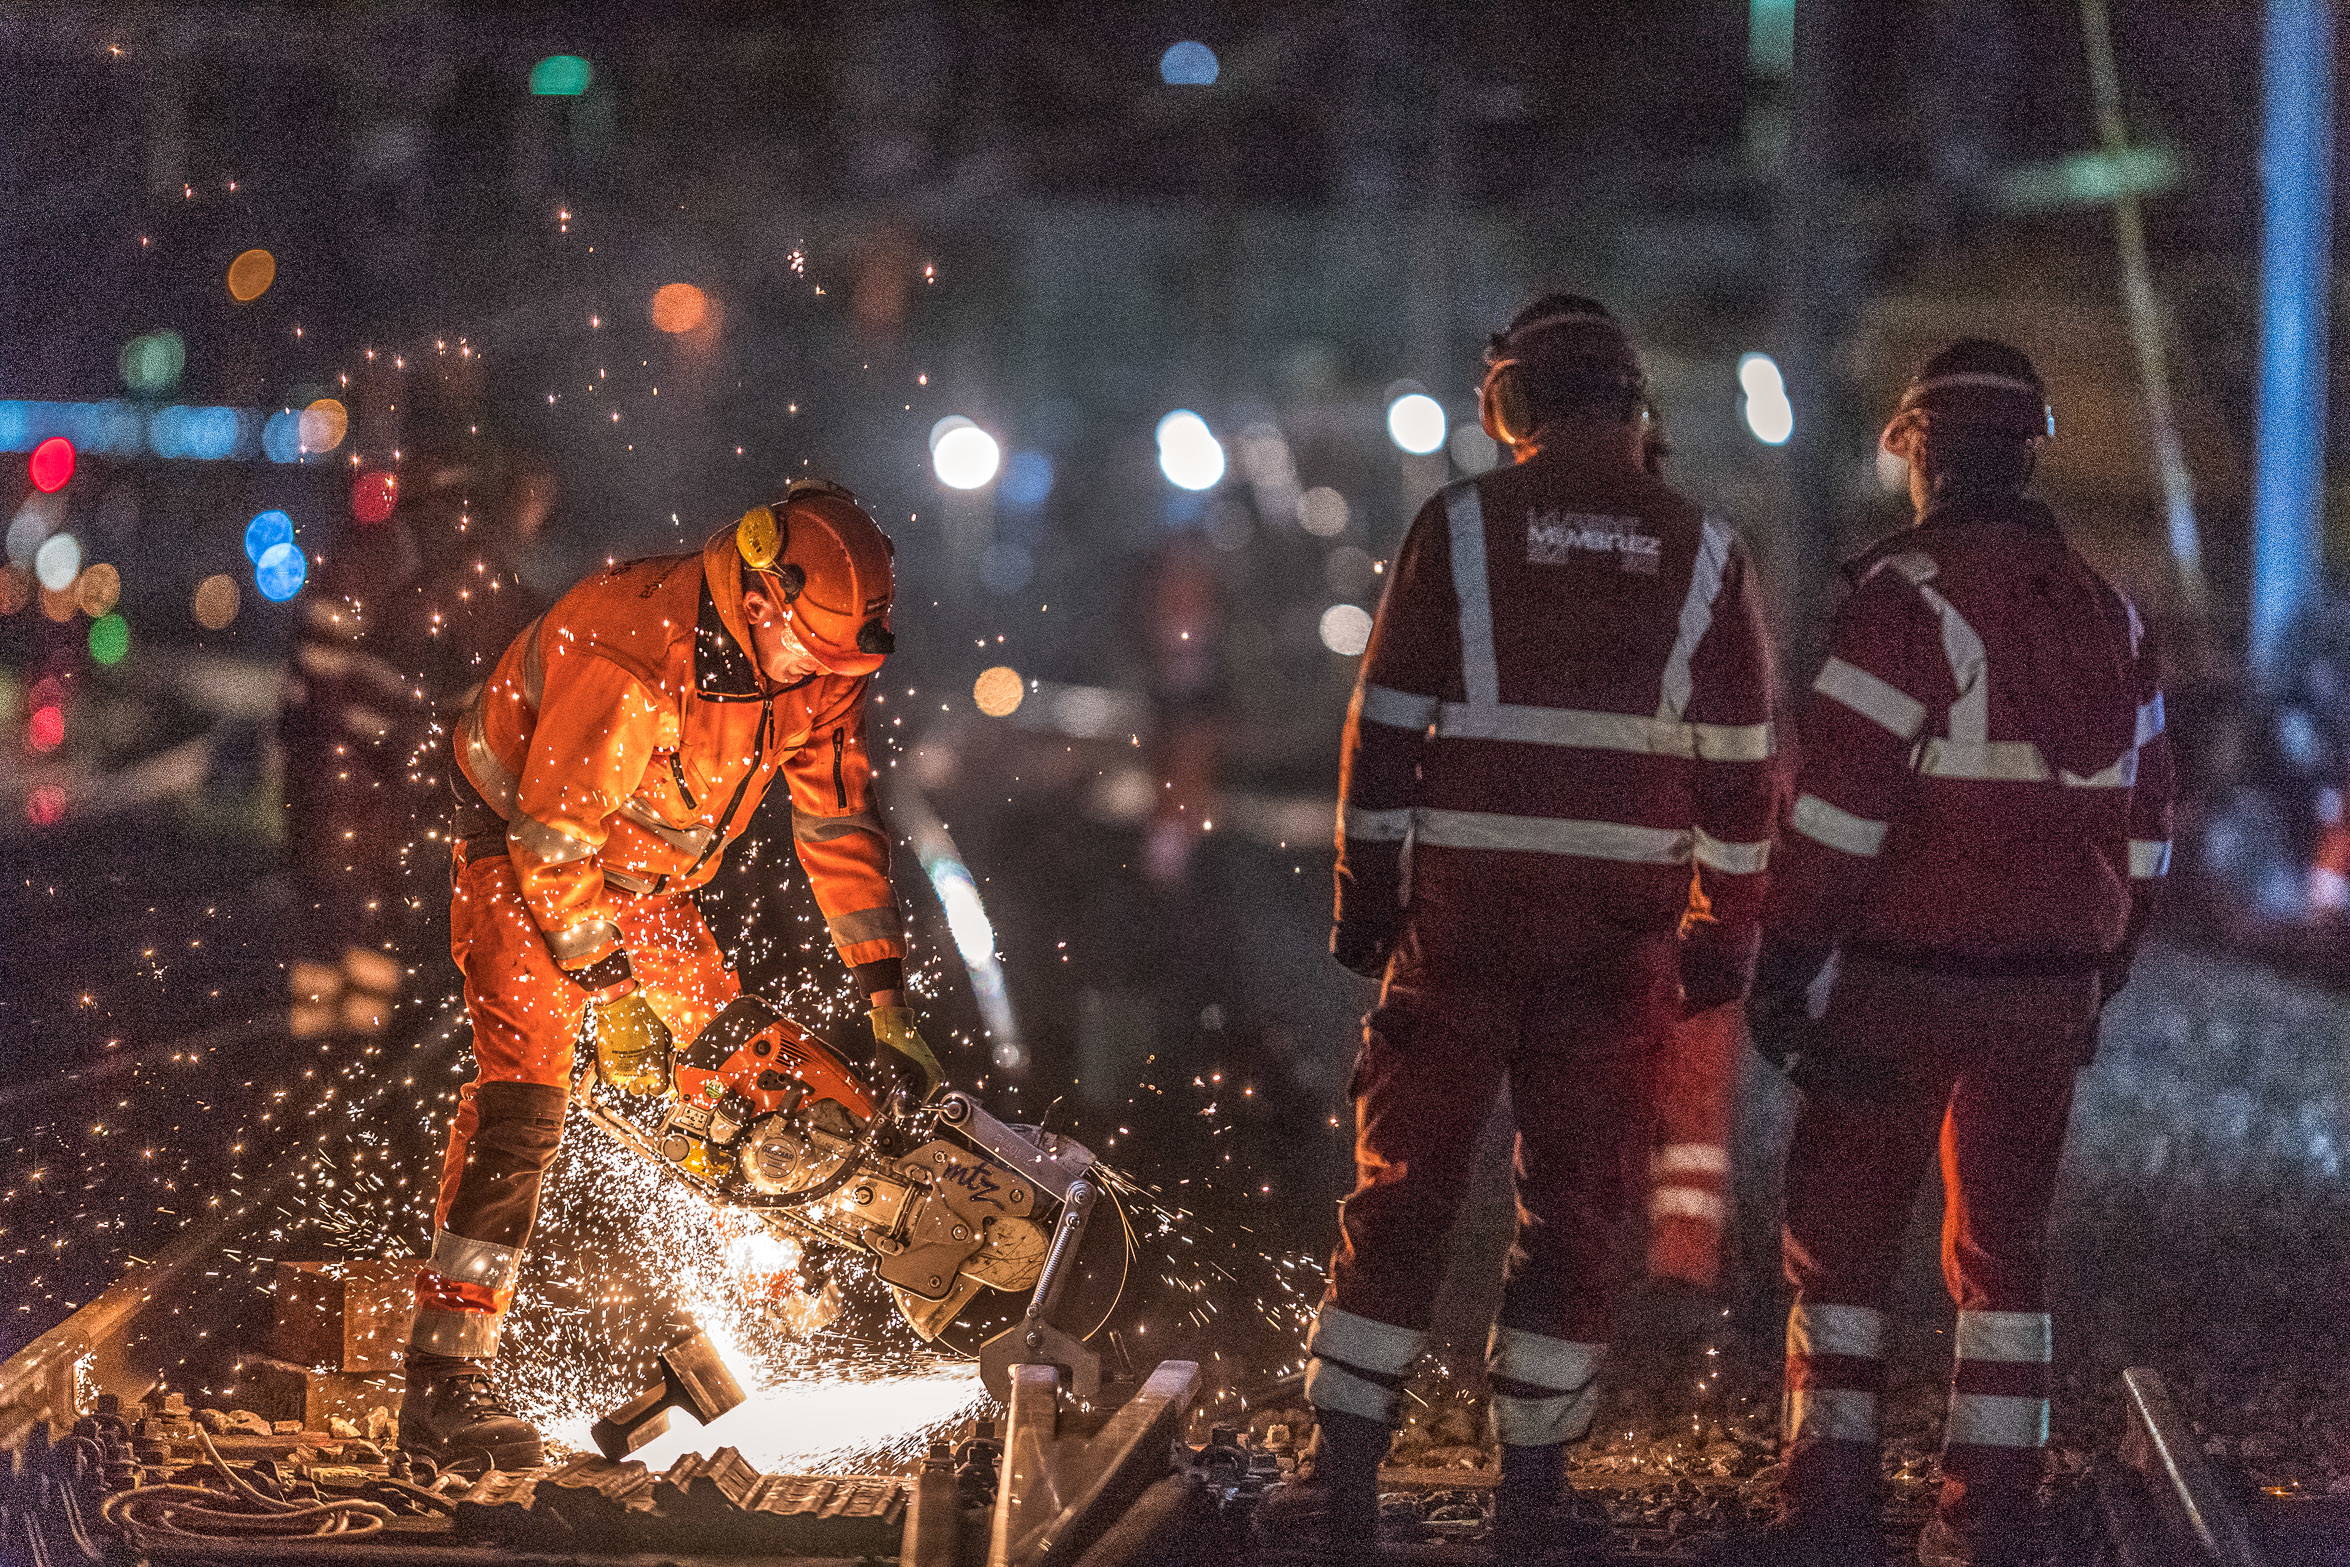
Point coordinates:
[[623, 740], [1689, 1171]]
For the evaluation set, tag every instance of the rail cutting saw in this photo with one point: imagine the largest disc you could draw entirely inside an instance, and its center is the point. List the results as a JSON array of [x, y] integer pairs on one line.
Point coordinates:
[[996, 1241]]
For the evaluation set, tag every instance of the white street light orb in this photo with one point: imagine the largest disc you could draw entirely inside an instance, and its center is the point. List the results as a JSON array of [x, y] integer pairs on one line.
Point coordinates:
[[1346, 629], [1416, 422], [1769, 415], [1189, 454], [966, 457]]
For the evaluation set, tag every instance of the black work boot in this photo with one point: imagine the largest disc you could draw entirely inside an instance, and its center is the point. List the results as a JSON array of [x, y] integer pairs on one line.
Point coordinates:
[[1337, 1501], [450, 1415], [1532, 1521]]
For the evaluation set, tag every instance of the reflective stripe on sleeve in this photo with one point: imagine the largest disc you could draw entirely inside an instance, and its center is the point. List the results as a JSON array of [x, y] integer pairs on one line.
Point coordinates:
[[1831, 1328], [1881, 702], [1738, 859], [2149, 858], [1823, 823], [498, 786], [2150, 719], [875, 924], [1995, 1420], [583, 942], [1368, 826], [535, 840], [2014, 1336], [2004, 761], [809, 828], [1697, 617], [1831, 1414], [1396, 709], [1549, 835], [1464, 515]]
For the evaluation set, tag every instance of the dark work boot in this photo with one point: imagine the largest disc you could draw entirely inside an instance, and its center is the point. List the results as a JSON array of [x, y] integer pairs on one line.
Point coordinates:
[[1337, 1502], [450, 1415], [1531, 1519]]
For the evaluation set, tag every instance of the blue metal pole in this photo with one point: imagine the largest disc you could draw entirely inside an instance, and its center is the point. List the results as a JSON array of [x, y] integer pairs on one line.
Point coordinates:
[[2296, 180]]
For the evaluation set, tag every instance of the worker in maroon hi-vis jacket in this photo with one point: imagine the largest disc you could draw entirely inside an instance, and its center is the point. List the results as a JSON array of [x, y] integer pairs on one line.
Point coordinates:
[[1563, 719], [1981, 819]]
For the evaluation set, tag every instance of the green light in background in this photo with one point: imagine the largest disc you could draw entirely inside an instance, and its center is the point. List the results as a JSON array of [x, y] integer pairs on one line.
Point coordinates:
[[2092, 178], [560, 76], [110, 639], [1770, 39], [152, 361]]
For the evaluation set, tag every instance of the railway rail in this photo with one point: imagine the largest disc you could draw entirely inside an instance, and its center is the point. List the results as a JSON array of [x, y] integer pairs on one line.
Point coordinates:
[[1058, 1480]]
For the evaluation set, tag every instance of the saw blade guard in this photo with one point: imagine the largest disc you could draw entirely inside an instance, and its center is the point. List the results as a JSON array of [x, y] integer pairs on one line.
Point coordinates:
[[956, 1208]]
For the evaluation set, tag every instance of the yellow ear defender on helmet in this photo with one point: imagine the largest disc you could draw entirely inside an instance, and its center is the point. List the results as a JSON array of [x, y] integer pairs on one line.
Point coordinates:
[[762, 533]]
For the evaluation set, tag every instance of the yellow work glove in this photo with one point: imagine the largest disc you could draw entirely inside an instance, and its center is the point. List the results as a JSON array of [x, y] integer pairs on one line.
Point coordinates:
[[905, 1058], [632, 1045]]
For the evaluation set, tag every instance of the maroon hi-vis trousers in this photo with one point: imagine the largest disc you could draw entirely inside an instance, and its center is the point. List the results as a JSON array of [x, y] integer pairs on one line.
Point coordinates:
[[1983, 1069], [1577, 1044]]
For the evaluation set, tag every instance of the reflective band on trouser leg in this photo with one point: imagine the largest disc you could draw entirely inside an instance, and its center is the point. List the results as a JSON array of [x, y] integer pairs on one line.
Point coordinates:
[[462, 1293], [1358, 1364], [1545, 1389], [1998, 1403], [1835, 1365]]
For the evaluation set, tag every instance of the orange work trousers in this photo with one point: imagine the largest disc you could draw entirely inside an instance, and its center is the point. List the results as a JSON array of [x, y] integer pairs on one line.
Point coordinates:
[[527, 1016]]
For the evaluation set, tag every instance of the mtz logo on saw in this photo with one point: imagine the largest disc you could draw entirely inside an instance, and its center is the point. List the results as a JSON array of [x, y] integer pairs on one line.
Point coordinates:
[[977, 1179]]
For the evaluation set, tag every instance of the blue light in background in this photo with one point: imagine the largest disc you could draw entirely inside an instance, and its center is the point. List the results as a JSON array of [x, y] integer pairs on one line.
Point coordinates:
[[281, 571], [1189, 64], [265, 532], [1028, 479], [281, 436]]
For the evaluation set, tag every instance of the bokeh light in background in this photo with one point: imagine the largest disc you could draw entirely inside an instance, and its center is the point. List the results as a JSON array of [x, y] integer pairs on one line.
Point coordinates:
[[1028, 480], [998, 692], [58, 561], [374, 494], [280, 572], [1416, 423], [44, 806], [1346, 629], [281, 436], [59, 605], [216, 602], [1189, 454], [45, 730], [1768, 413], [16, 589], [324, 423], [266, 530], [152, 361], [1189, 64], [964, 456], [1322, 512], [110, 639], [98, 589], [679, 307], [250, 275], [560, 76], [51, 464]]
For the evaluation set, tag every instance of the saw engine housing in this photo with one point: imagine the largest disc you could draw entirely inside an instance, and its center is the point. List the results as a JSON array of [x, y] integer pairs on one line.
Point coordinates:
[[947, 1200]]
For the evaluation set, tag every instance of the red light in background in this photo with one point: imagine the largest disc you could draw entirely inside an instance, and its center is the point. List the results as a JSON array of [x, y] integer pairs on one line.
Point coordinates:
[[45, 806], [374, 494], [45, 731], [48, 691], [51, 464]]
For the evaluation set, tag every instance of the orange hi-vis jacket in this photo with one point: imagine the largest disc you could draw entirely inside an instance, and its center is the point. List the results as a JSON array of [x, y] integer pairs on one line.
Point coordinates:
[[627, 736]]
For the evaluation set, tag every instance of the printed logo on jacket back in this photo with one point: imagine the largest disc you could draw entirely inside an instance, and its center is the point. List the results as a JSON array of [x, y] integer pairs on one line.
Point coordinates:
[[1555, 538]]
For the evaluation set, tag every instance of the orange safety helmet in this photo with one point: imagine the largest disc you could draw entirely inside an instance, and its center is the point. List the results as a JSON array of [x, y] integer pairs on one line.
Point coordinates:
[[824, 558]]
